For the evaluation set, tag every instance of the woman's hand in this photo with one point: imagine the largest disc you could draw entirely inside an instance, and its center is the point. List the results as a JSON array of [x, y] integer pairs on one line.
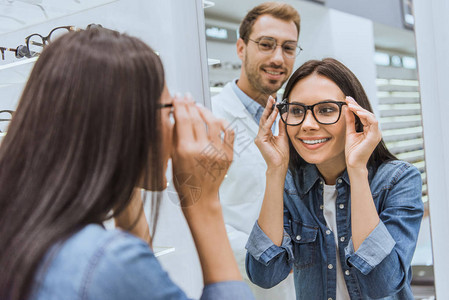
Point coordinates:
[[202, 153], [360, 145], [274, 149]]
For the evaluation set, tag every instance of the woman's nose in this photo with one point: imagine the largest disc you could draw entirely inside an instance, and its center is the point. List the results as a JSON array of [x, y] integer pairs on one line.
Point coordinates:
[[309, 121]]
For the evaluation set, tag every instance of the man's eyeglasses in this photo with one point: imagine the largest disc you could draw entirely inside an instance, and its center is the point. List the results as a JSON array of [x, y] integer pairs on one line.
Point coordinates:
[[325, 112], [268, 44], [36, 42]]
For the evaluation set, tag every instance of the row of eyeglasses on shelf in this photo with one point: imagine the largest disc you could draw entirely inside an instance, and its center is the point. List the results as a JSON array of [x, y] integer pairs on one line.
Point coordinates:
[[35, 42]]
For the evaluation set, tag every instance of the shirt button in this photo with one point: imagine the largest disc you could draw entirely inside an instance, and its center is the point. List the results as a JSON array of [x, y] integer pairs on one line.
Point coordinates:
[[339, 180], [342, 239], [330, 266], [321, 183], [298, 237], [321, 206], [342, 206], [347, 272], [328, 232]]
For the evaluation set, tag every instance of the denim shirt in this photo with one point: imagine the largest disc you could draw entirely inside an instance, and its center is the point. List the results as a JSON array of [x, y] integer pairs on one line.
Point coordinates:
[[99, 264], [381, 266]]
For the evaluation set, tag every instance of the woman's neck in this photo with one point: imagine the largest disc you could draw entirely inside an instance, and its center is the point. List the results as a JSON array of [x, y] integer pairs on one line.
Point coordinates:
[[331, 171]]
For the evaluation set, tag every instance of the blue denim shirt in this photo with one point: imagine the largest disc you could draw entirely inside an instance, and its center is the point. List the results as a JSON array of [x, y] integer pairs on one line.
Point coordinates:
[[99, 264], [379, 269]]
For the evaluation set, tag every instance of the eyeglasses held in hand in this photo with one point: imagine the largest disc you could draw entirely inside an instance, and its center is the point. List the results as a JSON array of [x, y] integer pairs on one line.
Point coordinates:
[[268, 44], [325, 112]]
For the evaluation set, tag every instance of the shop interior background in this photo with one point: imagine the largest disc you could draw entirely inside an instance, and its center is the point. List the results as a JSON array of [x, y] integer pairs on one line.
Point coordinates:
[[374, 39]]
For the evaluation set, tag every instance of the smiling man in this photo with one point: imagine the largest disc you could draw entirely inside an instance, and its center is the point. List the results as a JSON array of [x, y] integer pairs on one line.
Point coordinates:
[[267, 47]]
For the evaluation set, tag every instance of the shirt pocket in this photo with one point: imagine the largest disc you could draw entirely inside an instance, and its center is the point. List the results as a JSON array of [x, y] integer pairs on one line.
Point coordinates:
[[304, 244]]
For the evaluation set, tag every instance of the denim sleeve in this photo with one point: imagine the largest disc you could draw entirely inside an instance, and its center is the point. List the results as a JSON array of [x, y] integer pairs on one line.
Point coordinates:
[[384, 258], [266, 263], [372, 251], [227, 290], [126, 268]]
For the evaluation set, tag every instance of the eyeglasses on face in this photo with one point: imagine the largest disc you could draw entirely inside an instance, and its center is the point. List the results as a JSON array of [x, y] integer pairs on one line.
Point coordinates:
[[170, 105], [267, 45], [326, 112], [36, 42]]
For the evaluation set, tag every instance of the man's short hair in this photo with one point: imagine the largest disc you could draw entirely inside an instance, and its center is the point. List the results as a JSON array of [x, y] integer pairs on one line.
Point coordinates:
[[282, 11]]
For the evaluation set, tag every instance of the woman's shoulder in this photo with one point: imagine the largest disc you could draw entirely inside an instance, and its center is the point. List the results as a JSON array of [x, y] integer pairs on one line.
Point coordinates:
[[94, 240], [395, 173], [96, 263], [396, 169]]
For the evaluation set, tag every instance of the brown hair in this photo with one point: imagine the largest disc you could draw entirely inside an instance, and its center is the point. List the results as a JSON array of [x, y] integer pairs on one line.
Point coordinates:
[[279, 10], [86, 128], [350, 86]]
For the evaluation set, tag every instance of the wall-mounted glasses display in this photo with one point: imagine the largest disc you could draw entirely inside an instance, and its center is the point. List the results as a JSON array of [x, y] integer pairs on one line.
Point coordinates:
[[36, 42], [5, 117]]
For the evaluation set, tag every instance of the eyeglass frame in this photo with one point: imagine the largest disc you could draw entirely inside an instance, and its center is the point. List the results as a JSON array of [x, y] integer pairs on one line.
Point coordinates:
[[6, 111], [19, 52], [299, 49], [45, 39], [285, 103], [170, 105], [164, 105]]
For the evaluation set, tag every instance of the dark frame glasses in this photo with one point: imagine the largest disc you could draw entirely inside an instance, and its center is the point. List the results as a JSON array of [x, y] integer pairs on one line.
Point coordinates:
[[285, 106]]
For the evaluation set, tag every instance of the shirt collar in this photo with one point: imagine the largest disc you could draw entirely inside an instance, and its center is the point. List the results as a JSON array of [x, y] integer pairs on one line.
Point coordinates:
[[310, 175], [251, 106]]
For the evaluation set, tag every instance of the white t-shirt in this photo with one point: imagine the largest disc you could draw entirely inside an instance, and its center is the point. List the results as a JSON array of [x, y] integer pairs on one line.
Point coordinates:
[[329, 199]]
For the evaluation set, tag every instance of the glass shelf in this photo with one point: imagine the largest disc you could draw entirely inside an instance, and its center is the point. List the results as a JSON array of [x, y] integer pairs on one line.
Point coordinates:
[[161, 250], [18, 14], [18, 63]]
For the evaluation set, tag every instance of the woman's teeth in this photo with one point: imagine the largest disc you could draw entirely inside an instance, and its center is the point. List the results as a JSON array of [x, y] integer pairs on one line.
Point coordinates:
[[313, 142]]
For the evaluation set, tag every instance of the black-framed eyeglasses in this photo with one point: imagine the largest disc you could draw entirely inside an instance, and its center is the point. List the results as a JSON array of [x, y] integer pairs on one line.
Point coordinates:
[[170, 105], [164, 105], [3, 117], [10, 112], [326, 112], [36, 42], [267, 45]]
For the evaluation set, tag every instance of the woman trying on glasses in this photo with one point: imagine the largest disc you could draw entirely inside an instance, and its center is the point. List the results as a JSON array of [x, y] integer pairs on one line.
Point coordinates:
[[90, 129], [339, 209]]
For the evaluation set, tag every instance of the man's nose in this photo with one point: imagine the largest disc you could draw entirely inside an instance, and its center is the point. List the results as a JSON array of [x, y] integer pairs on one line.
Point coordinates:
[[278, 55]]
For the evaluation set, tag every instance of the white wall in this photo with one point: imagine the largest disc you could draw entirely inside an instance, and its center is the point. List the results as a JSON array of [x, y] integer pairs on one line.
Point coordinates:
[[432, 43]]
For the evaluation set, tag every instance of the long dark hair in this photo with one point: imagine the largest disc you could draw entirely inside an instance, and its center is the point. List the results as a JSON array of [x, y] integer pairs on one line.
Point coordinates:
[[86, 128], [350, 86]]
